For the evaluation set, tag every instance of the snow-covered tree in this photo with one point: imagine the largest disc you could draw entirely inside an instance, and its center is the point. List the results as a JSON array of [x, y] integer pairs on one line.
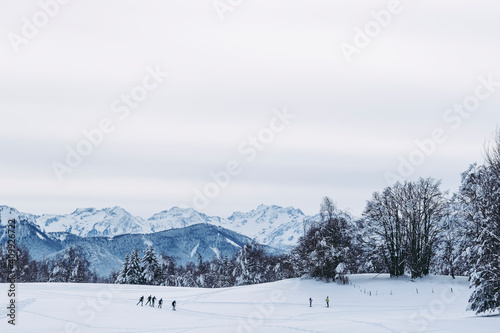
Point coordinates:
[[325, 245], [71, 266], [167, 267], [480, 196], [451, 255], [151, 271], [404, 221], [134, 269], [122, 274], [248, 264]]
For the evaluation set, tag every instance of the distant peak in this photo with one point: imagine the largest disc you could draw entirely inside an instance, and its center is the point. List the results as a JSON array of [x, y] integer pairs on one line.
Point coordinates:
[[116, 208], [83, 210]]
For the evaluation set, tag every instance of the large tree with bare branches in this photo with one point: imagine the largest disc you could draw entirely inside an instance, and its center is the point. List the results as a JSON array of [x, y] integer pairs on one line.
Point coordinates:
[[403, 225]]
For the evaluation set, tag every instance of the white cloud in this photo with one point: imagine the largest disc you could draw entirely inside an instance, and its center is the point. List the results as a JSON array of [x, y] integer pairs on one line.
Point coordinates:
[[354, 120]]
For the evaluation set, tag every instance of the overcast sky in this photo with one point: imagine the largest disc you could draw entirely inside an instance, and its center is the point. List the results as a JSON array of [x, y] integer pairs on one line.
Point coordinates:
[[229, 71]]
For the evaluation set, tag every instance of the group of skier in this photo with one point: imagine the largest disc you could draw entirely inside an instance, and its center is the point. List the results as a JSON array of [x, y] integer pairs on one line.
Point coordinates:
[[151, 302], [327, 300]]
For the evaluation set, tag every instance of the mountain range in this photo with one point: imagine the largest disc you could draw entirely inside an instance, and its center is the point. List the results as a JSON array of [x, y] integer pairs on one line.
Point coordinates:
[[274, 226], [106, 235]]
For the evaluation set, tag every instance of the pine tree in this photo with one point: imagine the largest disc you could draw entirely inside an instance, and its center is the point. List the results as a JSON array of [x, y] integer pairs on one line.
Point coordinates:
[[480, 195], [80, 272], [134, 272], [151, 272], [325, 245], [122, 275], [248, 262], [71, 266]]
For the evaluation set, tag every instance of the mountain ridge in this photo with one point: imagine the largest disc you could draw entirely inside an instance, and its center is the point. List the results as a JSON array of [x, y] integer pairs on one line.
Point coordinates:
[[272, 225]]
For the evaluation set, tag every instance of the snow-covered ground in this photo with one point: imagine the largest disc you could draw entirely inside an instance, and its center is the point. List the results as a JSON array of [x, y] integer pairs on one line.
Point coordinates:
[[393, 306]]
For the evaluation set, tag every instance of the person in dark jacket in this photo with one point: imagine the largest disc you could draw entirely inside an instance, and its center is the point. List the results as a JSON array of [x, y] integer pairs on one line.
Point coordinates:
[[173, 305], [141, 300]]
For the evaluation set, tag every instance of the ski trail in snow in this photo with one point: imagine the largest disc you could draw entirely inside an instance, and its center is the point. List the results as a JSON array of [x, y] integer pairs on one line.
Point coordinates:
[[293, 328], [376, 325], [109, 329], [21, 305]]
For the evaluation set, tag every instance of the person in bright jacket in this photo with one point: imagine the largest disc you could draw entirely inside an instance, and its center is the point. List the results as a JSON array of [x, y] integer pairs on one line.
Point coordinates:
[[327, 301]]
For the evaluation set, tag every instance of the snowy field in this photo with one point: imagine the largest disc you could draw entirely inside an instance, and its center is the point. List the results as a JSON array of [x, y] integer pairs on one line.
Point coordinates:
[[393, 306]]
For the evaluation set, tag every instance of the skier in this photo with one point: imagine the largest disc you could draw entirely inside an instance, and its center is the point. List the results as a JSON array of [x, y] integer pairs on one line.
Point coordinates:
[[141, 300], [160, 303], [153, 301], [310, 302], [173, 305], [149, 300], [327, 301]]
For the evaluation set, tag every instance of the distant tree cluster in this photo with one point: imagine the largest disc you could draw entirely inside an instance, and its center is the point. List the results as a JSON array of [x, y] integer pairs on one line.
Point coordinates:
[[251, 265], [68, 266]]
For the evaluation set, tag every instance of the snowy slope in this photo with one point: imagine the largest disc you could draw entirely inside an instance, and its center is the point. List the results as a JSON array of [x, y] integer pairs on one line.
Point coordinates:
[[90, 222], [278, 307]]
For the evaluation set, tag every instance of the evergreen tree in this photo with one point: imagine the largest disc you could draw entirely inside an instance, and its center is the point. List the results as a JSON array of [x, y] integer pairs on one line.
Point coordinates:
[[480, 198], [168, 270], [80, 270], [122, 274], [71, 266], [248, 262], [151, 272], [325, 245], [134, 270]]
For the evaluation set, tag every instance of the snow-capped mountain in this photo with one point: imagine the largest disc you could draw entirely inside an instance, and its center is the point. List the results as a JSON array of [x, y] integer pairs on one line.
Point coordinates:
[[275, 226], [179, 218], [91, 222], [27, 233]]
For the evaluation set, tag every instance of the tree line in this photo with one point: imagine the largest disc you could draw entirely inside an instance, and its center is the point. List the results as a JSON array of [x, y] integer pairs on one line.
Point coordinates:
[[68, 266]]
